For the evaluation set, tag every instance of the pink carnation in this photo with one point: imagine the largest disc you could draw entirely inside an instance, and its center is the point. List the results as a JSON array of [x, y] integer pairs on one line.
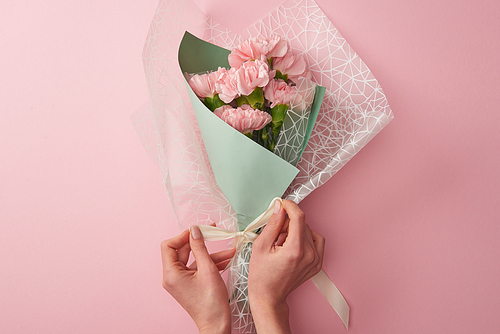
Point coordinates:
[[226, 85], [255, 48], [293, 66], [279, 92], [204, 85], [244, 118], [252, 74]]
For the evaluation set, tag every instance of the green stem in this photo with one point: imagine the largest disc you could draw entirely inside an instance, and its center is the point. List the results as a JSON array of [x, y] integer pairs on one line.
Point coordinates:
[[282, 76], [278, 114], [214, 102], [241, 100], [256, 98]]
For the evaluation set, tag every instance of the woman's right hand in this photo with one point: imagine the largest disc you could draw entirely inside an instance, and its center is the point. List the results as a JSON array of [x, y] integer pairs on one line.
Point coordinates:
[[286, 254]]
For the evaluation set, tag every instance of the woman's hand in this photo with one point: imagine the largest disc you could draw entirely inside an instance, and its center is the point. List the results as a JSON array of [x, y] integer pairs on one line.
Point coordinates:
[[199, 288], [286, 254]]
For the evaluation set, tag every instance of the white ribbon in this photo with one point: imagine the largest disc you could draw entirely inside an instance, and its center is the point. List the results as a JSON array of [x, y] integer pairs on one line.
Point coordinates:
[[321, 280]]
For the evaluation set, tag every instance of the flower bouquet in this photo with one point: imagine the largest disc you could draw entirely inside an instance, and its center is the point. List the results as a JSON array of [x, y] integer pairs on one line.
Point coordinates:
[[240, 111], [182, 140]]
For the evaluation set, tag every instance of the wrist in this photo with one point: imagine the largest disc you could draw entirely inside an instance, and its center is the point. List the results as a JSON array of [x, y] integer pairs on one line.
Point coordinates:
[[265, 302], [216, 323], [221, 328], [270, 316]]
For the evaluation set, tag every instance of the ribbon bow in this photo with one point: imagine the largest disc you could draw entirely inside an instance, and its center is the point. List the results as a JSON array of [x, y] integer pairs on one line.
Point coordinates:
[[321, 280]]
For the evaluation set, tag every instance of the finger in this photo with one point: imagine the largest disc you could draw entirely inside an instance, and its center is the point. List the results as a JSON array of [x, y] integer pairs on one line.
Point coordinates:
[[222, 265], [315, 264], [284, 228], [223, 255], [296, 225], [308, 235], [319, 244], [183, 253], [218, 257], [281, 239], [200, 252], [271, 231], [169, 248]]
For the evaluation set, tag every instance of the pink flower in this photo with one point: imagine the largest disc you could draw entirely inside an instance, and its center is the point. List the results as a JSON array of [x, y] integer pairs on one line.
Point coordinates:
[[244, 118], [204, 85], [226, 85], [279, 92], [293, 66], [252, 74], [255, 48]]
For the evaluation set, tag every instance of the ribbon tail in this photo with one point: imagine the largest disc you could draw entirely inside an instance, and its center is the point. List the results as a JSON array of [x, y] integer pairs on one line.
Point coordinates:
[[333, 296]]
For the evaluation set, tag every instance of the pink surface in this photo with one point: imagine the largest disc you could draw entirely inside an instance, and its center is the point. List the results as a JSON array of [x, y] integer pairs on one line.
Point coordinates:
[[411, 222]]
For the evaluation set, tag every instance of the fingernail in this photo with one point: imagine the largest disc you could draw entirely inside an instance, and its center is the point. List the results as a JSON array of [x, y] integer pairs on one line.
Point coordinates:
[[195, 232], [277, 206]]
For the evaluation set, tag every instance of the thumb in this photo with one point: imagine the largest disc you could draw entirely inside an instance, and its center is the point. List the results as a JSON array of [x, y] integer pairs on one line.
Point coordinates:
[[273, 228], [199, 249]]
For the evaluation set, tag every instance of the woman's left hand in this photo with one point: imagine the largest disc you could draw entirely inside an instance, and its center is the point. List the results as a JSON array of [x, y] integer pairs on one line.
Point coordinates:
[[198, 288]]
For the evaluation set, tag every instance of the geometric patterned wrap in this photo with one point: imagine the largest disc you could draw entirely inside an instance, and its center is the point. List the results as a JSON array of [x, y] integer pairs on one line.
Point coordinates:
[[353, 111]]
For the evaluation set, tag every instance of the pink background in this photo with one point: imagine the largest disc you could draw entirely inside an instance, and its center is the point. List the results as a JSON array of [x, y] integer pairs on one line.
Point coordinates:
[[411, 222]]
